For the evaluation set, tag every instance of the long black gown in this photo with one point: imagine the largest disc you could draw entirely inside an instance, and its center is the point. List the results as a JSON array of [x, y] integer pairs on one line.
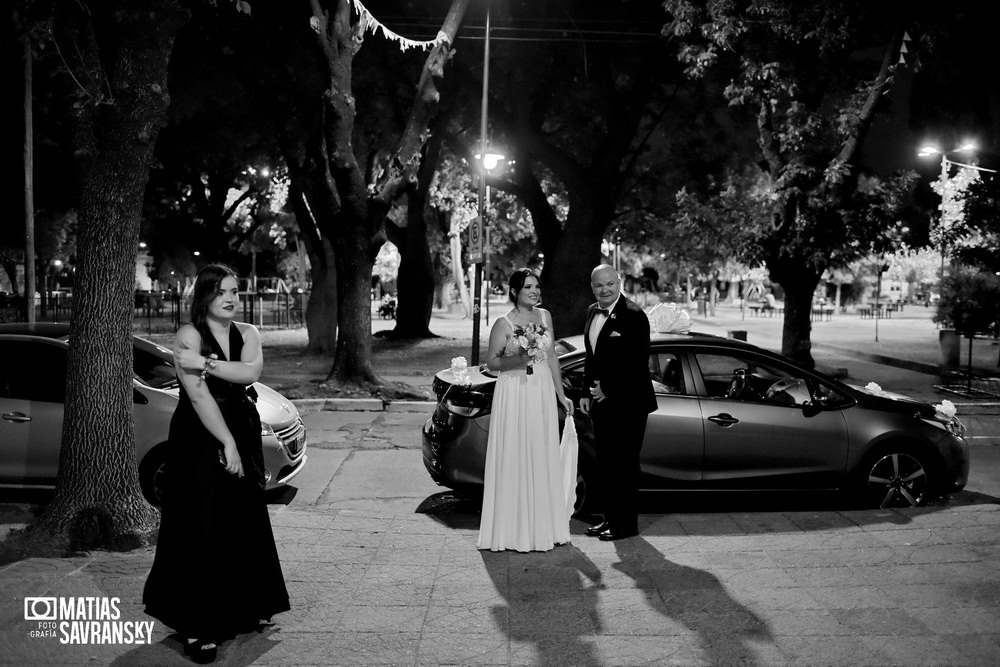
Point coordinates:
[[216, 571]]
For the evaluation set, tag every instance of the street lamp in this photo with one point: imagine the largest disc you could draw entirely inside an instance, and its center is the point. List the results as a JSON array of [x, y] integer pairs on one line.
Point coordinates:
[[489, 163], [477, 297], [946, 189]]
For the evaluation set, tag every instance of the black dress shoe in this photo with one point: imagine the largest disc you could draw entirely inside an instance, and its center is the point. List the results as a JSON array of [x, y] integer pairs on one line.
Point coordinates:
[[201, 651], [612, 534], [594, 531]]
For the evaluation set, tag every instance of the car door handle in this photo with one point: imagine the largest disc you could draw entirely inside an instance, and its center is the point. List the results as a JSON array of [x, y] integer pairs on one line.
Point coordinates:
[[16, 417], [726, 420]]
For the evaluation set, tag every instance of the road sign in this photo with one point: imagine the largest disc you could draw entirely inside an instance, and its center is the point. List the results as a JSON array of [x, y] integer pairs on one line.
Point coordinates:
[[476, 238]]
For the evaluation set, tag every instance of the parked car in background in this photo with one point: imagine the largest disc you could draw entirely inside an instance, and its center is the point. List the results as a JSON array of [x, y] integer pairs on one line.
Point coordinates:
[[733, 417], [32, 391]]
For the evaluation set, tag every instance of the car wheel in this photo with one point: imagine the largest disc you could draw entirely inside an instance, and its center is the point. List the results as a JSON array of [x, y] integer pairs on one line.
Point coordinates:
[[152, 475], [894, 478]]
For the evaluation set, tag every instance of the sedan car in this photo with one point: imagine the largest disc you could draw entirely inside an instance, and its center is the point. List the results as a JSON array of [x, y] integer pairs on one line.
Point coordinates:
[[32, 388], [732, 417]]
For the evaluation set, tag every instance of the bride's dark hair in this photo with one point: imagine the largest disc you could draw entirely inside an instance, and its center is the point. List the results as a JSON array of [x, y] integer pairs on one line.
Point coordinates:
[[516, 282], [206, 286]]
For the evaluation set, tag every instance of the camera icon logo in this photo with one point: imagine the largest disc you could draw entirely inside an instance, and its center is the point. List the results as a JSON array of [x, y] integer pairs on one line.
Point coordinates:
[[40, 609]]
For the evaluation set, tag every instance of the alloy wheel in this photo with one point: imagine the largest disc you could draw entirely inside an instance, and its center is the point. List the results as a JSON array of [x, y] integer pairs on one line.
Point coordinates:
[[897, 480]]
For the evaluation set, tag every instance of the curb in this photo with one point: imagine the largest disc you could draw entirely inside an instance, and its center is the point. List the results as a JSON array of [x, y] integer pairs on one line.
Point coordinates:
[[308, 405]]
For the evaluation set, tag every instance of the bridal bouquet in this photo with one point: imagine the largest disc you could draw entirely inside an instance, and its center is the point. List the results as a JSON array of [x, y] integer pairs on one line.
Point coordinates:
[[533, 339]]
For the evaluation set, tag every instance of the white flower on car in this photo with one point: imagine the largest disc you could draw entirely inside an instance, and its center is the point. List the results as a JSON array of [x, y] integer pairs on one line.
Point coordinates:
[[872, 386], [946, 409], [460, 371]]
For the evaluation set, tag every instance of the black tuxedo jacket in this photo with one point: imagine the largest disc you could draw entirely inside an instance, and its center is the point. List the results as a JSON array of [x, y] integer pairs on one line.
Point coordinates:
[[620, 361]]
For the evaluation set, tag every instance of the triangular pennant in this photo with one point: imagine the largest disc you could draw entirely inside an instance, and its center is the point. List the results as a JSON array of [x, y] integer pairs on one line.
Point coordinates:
[[902, 49], [906, 37], [902, 59]]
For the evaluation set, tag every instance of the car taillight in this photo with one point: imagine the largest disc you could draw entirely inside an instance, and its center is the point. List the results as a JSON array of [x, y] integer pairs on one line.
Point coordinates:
[[461, 401]]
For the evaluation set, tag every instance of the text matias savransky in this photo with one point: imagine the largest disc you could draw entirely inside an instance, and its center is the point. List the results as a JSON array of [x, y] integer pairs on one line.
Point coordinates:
[[84, 620]]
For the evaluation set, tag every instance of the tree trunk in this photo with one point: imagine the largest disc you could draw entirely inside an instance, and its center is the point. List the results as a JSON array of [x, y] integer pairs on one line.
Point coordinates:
[[799, 283], [458, 275], [566, 289], [356, 228], [415, 285], [321, 311], [354, 258], [98, 502]]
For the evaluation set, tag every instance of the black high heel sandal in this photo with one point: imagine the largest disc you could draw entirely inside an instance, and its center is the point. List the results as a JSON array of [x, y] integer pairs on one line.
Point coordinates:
[[201, 651]]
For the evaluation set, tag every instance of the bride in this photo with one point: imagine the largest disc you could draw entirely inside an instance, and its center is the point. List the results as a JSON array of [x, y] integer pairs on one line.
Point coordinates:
[[524, 503]]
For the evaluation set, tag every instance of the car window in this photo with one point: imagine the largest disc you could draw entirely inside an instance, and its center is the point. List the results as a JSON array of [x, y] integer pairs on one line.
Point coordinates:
[[666, 374], [153, 370], [747, 378], [32, 371]]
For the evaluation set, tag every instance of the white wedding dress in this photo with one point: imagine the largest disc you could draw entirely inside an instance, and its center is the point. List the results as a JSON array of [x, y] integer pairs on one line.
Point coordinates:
[[524, 502]]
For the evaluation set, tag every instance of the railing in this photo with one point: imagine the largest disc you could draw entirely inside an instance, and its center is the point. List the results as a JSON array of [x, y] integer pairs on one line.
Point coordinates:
[[162, 312]]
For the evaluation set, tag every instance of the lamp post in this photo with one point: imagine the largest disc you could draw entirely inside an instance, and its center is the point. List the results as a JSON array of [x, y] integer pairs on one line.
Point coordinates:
[[946, 195], [477, 297], [488, 162]]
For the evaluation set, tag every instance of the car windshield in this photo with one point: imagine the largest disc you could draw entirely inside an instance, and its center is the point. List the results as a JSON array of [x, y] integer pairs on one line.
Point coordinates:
[[153, 365]]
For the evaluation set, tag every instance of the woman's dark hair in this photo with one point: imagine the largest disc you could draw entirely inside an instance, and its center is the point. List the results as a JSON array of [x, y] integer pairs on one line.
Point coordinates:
[[516, 282], [206, 286]]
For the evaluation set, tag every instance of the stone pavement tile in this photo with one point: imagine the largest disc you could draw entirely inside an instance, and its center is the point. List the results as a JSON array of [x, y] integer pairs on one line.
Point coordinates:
[[570, 614], [911, 650], [640, 621], [765, 522], [817, 521], [677, 651], [806, 622], [942, 595], [817, 558], [772, 577], [570, 649], [873, 621], [851, 597], [826, 652], [765, 600], [346, 648], [491, 619], [709, 524], [463, 648], [981, 649], [958, 621], [362, 617], [463, 594]]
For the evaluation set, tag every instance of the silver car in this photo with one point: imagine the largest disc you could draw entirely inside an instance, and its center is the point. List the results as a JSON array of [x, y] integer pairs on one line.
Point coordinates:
[[733, 417], [32, 388]]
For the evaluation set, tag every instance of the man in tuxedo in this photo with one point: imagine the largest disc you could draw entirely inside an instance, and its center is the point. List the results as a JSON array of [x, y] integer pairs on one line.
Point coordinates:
[[616, 372]]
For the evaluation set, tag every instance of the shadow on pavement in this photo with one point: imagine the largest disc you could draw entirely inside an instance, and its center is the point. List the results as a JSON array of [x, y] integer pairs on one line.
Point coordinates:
[[550, 605], [458, 510], [695, 599]]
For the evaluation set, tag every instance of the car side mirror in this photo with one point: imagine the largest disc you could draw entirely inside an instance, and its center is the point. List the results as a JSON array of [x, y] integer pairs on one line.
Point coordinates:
[[811, 409]]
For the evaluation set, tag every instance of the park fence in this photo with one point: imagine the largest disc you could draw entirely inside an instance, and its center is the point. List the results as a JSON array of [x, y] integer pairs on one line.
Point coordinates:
[[164, 312]]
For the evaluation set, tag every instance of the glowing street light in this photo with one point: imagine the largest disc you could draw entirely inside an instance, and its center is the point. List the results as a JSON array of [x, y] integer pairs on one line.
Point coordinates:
[[947, 189]]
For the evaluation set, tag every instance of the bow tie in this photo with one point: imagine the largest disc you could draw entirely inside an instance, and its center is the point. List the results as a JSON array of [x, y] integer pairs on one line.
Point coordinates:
[[601, 311]]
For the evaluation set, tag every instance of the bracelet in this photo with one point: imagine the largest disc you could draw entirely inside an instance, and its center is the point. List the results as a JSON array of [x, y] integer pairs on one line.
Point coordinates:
[[209, 363]]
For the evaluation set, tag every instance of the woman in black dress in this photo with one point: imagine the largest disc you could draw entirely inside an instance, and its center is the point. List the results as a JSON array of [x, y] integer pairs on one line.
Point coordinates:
[[216, 571]]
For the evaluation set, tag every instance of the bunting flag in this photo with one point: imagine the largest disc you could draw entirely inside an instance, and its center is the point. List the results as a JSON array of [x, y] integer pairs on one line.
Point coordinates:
[[902, 49], [371, 24]]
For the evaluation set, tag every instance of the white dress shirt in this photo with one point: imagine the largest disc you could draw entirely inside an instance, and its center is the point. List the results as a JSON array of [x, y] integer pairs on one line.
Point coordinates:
[[597, 324]]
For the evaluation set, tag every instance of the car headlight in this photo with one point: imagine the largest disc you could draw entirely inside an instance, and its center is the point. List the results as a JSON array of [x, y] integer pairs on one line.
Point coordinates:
[[265, 429], [953, 425]]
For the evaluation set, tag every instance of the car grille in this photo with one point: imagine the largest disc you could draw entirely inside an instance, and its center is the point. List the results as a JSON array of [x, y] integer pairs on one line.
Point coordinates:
[[293, 438]]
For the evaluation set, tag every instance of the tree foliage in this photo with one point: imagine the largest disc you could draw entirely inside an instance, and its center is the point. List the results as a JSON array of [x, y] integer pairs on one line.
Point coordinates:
[[815, 76]]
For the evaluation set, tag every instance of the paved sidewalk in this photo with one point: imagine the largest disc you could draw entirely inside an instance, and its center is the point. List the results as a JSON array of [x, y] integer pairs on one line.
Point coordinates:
[[382, 567]]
